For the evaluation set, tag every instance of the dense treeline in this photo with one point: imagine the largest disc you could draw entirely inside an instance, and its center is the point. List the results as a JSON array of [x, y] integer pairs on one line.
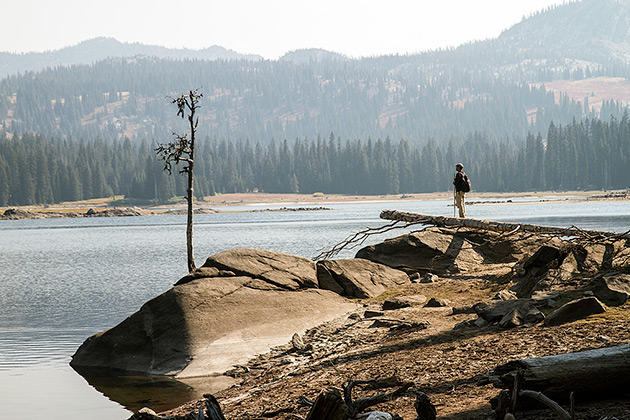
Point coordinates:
[[591, 154]]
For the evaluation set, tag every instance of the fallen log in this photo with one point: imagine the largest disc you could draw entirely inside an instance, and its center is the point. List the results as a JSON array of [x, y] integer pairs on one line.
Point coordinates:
[[495, 226], [590, 373]]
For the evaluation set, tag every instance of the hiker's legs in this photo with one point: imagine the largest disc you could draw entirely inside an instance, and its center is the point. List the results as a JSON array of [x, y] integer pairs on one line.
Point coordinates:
[[460, 203]]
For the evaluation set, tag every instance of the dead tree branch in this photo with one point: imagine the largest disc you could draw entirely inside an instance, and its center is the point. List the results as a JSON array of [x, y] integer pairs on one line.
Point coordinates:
[[358, 238], [357, 406], [554, 406]]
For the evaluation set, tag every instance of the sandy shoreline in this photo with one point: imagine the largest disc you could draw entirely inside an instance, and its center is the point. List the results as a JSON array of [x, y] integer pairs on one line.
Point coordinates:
[[222, 202]]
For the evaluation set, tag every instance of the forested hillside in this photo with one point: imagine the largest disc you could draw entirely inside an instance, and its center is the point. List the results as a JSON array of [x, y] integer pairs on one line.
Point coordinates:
[[382, 97], [586, 155], [400, 122]]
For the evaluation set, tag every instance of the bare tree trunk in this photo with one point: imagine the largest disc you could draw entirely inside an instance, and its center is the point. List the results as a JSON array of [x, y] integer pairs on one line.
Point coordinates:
[[191, 164], [183, 150], [189, 223], [493, 225]]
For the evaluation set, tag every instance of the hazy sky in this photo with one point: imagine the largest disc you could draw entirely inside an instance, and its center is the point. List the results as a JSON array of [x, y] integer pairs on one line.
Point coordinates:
[[266, 27]]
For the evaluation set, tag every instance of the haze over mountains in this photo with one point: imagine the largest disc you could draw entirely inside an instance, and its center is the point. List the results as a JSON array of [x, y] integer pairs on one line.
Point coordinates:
[[110, 89], [97, 49], [549, 96]]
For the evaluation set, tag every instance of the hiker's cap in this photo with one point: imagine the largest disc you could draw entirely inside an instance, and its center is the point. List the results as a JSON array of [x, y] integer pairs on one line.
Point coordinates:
[[459, 165]]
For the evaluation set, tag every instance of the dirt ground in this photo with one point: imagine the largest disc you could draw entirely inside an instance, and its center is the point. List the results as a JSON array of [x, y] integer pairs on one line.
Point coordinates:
[[446, 362]]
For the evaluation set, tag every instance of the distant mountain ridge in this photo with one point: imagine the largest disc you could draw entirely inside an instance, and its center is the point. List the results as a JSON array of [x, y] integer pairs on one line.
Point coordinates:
[[595, 30], [102, 48], [500, 86]]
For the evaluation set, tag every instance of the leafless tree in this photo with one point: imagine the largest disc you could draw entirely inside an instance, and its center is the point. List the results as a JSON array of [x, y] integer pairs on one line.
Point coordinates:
[[182, 149]]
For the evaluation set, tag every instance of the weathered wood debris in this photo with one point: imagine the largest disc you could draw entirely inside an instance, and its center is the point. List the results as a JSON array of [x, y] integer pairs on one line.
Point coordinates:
[[588, 373], [495, 226], [330, 404]]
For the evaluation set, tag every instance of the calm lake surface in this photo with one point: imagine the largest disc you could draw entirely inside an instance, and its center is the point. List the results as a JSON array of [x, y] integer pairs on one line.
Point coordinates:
[[62, 280]]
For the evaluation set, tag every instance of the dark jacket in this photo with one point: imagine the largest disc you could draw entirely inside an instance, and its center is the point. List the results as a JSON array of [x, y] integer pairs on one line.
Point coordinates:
[[461, 182]]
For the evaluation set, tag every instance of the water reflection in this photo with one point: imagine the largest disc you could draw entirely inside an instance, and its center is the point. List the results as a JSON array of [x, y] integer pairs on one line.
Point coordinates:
[[160, 393]]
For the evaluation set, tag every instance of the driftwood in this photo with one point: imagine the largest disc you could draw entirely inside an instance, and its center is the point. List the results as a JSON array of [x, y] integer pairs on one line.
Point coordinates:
[[357, 406], [357, 239], [209, 410], [330, 404], [506, 404], [505, 411], [333, 405], [412, 218], [505, 228], [588, 373], [540, 397]]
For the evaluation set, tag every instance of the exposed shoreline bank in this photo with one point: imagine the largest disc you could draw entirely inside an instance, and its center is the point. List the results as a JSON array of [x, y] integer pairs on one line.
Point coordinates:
[[223, 202]]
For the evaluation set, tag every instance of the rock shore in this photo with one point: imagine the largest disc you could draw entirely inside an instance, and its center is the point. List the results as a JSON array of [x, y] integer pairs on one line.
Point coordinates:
[[20, 214], [242, 302]]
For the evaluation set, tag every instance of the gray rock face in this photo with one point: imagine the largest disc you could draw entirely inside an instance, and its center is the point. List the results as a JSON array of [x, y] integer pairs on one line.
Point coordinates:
[[613, 288], [556, 262], [286, 271], [442, 251], [206, 324], [358, 278], [574, 310], [423, 251]]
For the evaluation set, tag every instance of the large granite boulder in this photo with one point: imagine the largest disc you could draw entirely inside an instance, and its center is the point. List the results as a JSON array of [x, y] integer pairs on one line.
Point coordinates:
[[242, 302], [358, 278], [443, 251]]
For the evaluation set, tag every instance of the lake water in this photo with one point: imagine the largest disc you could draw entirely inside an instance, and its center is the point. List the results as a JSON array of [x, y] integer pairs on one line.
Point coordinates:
[[62, 280]]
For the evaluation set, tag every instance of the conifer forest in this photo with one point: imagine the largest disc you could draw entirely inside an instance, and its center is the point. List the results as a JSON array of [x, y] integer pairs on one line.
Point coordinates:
[[590, 154]]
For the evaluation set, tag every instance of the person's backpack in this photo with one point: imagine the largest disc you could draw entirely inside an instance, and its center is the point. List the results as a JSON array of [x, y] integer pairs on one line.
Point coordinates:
[[465, 187]]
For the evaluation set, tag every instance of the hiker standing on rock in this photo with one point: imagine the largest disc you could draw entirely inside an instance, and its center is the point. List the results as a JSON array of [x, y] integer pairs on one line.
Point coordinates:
[[462, 186]]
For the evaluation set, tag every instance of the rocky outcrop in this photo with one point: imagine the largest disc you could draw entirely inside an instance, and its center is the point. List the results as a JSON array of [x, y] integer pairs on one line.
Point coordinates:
[[18, 214], [444, 251], [288, 272], [243, 301], [558, 261], [240, 303], [195, 211], [436, 302], [125, 212], [358, 278]]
